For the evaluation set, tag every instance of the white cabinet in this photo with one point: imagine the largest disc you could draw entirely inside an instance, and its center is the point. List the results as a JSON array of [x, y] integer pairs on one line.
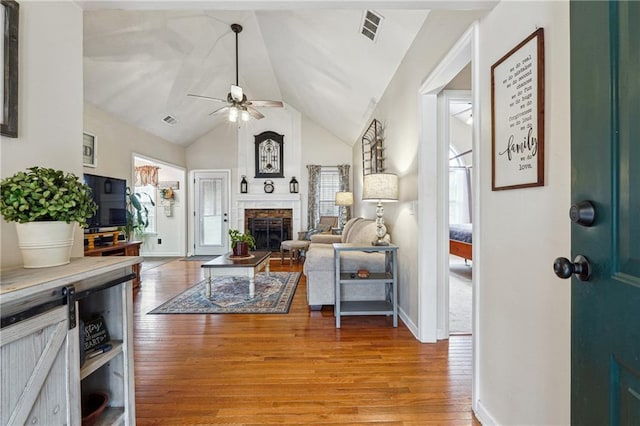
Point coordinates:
[[42, 379]]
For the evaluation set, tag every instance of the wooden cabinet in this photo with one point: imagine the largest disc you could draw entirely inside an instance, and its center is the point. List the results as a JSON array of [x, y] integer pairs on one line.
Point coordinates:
[[131, 248], [42, 379]]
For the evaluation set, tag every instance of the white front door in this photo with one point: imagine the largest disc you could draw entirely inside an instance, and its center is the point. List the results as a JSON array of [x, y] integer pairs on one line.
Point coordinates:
[[211, 212]]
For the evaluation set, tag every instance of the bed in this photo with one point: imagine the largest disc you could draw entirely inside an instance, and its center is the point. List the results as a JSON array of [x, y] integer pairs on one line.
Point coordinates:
[[460, 240]]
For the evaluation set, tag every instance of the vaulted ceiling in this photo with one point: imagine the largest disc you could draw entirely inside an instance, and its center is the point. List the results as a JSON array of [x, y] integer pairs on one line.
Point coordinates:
[[139, 65]]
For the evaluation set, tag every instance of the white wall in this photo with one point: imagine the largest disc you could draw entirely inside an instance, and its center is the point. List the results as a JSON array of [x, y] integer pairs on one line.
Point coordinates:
[[398, 113], [116, 141], [524, 347], [49, 102], [321, 148], [523, 337], [305, 142]]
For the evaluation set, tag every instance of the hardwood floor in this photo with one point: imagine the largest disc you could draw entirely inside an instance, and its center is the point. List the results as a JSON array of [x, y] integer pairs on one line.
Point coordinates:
[[289, 369]]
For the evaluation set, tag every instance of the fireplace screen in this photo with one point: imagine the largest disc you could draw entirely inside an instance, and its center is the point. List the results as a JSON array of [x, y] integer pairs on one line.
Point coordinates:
[[270, 232]]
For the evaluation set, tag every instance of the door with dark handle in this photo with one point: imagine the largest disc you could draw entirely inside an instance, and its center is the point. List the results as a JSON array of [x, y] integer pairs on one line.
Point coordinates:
[[605, 169]]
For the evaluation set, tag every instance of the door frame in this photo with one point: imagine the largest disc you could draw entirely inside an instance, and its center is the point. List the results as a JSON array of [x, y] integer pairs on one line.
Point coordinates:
[[433, 196], [445, 97], [192, 203]]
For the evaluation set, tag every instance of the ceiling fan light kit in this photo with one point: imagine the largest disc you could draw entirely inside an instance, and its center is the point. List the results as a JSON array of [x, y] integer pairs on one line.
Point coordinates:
[[239, 106]]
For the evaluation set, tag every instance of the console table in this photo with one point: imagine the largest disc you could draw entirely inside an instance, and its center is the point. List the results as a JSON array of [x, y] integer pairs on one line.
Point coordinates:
[[389, 278], [128, 248]]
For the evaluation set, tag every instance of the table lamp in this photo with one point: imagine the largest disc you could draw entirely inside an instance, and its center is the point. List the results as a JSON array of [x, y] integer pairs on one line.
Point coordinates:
[[344, 200], [380, 187]]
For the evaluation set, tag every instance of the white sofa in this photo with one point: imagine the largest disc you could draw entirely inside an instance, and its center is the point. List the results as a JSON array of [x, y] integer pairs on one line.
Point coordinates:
[[319, 265]]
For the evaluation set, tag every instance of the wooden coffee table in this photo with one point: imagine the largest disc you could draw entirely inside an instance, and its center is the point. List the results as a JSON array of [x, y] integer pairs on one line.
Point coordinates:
[[228, 266]]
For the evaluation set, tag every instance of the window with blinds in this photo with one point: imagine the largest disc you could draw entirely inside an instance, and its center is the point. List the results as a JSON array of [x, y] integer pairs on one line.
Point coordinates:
[[329, 185]]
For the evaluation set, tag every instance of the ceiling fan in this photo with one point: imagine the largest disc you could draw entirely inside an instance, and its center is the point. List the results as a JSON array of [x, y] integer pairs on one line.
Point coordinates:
[[238, 104]]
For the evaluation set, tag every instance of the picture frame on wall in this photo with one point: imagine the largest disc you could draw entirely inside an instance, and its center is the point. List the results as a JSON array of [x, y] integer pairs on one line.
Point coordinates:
[[517, 116], [89, 146], [9, 10]]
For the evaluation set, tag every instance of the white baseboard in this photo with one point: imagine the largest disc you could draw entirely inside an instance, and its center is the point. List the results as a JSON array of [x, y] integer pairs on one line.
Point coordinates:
[[483, 415], [407, 321]]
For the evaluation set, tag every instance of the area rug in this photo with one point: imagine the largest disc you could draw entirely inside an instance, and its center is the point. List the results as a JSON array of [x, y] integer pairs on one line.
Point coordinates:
[[201, 257], [230, 295]]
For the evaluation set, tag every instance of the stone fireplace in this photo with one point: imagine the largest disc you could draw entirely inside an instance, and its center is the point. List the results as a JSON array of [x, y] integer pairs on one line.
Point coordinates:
[[268, 213]]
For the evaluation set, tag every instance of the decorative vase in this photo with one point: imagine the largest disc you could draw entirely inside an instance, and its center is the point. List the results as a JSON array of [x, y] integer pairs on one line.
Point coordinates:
[[45, 244], [241, 249]]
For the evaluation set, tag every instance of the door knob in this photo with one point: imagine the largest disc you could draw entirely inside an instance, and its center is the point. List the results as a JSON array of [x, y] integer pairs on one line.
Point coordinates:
[[583, 213], [580, 266]]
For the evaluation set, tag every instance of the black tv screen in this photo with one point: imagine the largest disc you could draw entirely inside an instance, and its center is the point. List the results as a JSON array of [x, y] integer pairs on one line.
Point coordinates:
[[110, 196]]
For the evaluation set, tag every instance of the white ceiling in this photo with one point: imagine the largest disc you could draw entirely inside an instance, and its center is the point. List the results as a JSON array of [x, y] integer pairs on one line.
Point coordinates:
[[139, 65]]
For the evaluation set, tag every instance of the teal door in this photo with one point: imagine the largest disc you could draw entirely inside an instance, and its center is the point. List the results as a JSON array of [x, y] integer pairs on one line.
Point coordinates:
[[605, 168]]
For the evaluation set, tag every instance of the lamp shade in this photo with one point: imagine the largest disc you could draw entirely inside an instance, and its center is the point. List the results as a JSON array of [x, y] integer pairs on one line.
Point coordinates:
[[380, 187], [344, 198]]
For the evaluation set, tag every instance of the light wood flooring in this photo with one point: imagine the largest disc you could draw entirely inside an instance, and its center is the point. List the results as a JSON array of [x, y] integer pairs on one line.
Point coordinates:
[[289, 369]]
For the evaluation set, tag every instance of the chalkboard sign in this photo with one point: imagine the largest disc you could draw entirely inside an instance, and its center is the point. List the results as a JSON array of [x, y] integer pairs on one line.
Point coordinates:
[[95, 333], [517, 116]]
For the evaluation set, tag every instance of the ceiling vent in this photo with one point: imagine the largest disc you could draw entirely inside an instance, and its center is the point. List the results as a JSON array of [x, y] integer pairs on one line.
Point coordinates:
[[371, 22], [170, 120]]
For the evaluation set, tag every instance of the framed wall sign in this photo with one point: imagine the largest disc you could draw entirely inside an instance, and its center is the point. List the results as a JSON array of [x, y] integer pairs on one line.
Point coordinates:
[[9, 10], [269, 153], [88, 150], [517, 116]]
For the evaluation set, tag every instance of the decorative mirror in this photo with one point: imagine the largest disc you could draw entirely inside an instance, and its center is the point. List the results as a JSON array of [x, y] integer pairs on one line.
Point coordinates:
[[372, 150], [269, 155]]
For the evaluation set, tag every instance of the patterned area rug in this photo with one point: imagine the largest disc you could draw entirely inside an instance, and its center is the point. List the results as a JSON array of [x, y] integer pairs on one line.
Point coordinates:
[[230, 295]]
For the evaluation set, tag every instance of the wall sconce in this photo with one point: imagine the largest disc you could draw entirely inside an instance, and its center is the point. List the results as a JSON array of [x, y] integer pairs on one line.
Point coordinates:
[[293, 186], [243, 185]]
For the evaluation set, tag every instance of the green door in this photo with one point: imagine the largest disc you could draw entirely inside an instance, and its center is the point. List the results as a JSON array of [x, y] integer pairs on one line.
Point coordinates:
[[605, 168]]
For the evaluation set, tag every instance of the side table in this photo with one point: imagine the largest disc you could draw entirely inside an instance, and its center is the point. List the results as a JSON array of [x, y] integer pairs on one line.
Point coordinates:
[[389, 278]]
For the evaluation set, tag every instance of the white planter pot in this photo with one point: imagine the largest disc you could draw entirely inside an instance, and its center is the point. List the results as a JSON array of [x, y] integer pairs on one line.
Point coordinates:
[[45, 244]]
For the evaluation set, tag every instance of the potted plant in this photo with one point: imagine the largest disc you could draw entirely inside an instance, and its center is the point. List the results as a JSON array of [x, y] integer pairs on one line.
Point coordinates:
[[241, 243], [137, 214], [45, 203]]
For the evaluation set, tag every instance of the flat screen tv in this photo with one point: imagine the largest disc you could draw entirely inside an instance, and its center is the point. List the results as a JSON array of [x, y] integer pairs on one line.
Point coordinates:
[[110, 196]]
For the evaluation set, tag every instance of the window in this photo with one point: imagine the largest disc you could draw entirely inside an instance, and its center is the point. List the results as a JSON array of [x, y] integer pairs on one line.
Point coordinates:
[[329, 185], [147, 196], [459, 203]]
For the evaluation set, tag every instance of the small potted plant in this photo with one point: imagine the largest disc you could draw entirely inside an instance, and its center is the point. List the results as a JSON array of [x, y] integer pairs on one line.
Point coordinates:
[[241, 243], [45, 203]]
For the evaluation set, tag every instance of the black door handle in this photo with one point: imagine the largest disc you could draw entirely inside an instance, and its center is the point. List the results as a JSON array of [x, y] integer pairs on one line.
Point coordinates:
[[583, 213], [580, 266]]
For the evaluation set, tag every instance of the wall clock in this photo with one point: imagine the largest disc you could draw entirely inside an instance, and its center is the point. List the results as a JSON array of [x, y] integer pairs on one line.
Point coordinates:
[[269, 154], [268, 187]]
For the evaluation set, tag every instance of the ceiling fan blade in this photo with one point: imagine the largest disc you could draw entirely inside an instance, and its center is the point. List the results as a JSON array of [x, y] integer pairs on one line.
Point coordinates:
[[275, 104], [236, 93], [206, 97], [254, 113], [223, 109]]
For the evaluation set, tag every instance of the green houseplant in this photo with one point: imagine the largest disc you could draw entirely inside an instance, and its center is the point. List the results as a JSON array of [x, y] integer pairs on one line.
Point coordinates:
[[137, 213], [44, 203], [241, 243]]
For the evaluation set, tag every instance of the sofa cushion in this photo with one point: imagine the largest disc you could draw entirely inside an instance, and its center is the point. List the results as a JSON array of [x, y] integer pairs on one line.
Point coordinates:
[[320, 258]]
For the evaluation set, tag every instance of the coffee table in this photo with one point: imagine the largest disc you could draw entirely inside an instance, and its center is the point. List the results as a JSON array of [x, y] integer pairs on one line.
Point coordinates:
[[228, 266]]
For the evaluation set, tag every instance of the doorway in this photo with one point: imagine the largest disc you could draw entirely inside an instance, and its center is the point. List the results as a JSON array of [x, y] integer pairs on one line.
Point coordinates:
[[458, 134], [211, 212], [163, 193]]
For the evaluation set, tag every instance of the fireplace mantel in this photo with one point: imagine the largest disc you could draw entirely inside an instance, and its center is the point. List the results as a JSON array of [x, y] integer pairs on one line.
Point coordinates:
[[268, 201]]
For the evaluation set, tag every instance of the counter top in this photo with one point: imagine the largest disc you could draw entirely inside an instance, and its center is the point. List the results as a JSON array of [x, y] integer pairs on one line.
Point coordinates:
[[17, 283]]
